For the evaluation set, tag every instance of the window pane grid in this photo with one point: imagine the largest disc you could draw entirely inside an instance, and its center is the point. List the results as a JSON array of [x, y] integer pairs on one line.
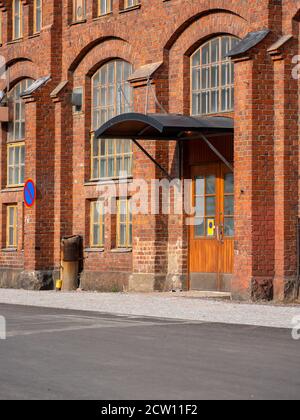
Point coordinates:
[[16, 129], [37, 15], [16, 135], [205, 201], [108, 99], [16, 164], [104, 7], [213, 77], [97, 224], [131, 3], [12, 227], [111, 158], [124, 224], [229, 205], [17, 19], [79, 10]]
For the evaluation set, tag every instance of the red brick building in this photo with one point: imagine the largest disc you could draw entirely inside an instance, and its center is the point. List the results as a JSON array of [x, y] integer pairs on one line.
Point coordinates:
[[107, 51]]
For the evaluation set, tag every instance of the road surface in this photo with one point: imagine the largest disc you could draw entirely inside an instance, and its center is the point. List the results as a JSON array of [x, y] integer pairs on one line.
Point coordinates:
[[67, 354]]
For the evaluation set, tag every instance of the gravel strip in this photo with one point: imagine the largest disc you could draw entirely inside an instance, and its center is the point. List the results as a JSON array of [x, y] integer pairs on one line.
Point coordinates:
[[158, 305]]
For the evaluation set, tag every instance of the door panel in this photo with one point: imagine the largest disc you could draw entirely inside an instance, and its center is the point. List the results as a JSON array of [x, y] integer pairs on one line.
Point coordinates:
[[204, 244], [203, 256], [212, 235], [226, 221]]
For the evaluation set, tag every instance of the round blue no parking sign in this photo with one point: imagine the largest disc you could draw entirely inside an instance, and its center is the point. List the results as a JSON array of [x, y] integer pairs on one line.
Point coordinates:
[[29, 193]]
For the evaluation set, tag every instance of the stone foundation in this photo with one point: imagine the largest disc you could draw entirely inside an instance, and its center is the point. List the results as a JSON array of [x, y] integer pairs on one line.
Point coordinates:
[[28, 280], [104, 282], [147, 283]]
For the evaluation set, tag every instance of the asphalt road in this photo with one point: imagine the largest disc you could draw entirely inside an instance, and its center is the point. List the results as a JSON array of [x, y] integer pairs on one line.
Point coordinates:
[[60, 354]]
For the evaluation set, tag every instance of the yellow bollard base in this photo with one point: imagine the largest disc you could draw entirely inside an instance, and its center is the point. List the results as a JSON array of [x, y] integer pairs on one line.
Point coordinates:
[[58, 285]]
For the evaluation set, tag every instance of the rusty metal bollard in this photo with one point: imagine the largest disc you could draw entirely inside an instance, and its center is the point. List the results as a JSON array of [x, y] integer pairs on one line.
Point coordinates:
[[70, 250]]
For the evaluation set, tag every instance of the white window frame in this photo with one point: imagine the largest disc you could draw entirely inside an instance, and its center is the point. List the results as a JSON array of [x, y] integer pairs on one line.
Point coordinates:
[[110, 158], [18, 25], [212, 77], [38, 16]]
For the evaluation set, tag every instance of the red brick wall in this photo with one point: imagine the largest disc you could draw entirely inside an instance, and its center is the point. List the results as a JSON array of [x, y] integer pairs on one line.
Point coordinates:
[[28, 58], [58, 144]]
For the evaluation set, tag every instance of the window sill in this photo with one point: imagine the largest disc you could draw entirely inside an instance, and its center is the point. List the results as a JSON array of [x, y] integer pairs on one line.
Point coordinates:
[[129, 9], [9, 250], [105, 181], [94, 250], [35, 35], [15, 41], [15, 141], [77, 22], [103, 16], [12, 188], [121, 251]]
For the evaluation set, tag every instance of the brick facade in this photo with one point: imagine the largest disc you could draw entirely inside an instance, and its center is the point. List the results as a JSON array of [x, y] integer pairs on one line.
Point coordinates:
[[266, 141]]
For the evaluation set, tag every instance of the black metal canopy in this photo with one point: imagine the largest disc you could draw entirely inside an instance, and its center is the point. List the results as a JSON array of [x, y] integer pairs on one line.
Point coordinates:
[[162, 127]]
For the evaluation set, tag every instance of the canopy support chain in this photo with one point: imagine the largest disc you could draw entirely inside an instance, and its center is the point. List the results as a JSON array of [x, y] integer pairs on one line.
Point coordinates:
[[216, 151], [149, 90], [212, 147], [203, 137], [152, 159]]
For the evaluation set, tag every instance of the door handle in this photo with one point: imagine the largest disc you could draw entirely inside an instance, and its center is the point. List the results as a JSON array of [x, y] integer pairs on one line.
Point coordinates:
[[220, 233]]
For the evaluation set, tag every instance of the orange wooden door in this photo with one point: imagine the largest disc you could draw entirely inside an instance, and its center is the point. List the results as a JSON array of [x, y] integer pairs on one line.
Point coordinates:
[[212, 231], [226, 229]]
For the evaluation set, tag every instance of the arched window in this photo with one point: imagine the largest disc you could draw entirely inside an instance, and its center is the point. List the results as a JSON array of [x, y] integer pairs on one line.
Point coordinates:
[[111, 96], [213, 77], [17, 19], [16, 135]]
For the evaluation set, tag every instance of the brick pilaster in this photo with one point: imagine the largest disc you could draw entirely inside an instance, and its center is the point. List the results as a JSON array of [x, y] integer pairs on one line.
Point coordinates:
[[286, 152], [30, 214], [254, 176], [150, 232], [39, 166], [63, 169]]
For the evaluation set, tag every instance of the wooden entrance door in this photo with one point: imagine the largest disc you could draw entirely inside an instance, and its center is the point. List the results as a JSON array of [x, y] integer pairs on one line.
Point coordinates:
[[212, 230]]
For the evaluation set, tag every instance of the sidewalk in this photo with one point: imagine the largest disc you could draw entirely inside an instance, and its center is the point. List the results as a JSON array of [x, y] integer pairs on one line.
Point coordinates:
[[165, 305]]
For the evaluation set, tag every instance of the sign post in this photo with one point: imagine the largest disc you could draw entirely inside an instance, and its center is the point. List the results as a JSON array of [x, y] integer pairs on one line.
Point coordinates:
[[29, 193]]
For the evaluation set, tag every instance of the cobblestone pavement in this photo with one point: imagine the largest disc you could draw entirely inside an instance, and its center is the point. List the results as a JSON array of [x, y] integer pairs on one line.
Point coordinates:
[[165, 305]]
